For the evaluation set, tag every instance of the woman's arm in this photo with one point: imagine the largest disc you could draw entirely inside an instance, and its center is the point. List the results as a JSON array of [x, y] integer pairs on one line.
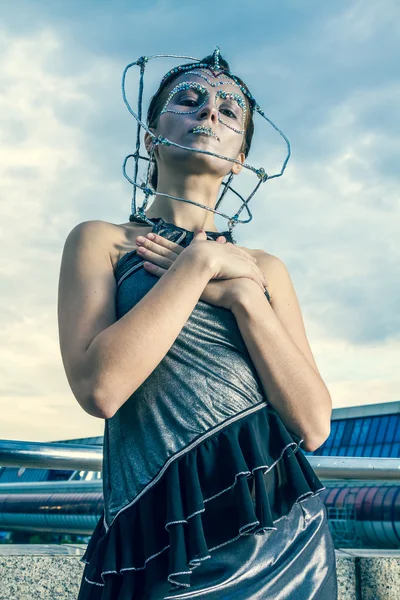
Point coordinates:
[[276, 340], [107, 360]]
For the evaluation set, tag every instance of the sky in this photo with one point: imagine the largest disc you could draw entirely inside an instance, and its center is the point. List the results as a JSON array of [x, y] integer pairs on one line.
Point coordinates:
[[325, 73]]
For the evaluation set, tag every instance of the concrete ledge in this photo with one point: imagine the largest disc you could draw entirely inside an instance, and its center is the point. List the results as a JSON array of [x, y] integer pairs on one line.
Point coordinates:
[[376, 573], [48, 571], [40, 571]]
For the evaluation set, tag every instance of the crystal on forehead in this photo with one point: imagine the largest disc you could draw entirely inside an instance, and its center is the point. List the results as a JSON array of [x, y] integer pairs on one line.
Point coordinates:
[[181, 69], [218, 83], [191, 69], [229, 81], [215, 68], [145, 186], [216, 54]]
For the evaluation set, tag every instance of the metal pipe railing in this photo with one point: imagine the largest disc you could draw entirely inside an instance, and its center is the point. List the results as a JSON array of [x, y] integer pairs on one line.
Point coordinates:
[[44, 455]]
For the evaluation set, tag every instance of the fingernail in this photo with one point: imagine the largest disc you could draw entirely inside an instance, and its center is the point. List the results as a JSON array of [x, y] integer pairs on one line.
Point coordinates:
[[150, 236]]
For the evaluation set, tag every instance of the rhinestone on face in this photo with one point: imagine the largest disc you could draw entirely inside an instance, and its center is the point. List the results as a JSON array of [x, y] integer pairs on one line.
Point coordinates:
[[240, 101], [211, 83], [216, 54], [200, 65], [250, 104], [204, 129], [177, 69], [185, 85]]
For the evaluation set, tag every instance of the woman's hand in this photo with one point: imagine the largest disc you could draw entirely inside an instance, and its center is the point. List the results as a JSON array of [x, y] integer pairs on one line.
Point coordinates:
[[227, 261], [160, 253]]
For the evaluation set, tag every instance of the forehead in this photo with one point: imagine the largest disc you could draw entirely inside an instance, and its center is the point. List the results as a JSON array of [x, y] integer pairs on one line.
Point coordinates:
[[209, 81]]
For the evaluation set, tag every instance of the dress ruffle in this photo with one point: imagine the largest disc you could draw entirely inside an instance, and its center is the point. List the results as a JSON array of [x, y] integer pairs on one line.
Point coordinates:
[[204, 501]]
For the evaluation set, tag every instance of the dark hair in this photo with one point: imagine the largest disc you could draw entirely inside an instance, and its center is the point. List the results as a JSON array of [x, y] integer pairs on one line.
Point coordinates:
[[158, 100]]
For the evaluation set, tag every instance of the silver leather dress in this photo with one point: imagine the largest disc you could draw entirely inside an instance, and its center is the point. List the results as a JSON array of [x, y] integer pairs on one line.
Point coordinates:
[[180, 459]]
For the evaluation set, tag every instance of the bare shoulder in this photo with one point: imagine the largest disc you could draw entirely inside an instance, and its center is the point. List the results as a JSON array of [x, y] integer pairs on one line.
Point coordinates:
[[92, 229], [124, 239], [90, 234], [86, 234], [116, 239], [267, 261], [274, 269], [272, 263]]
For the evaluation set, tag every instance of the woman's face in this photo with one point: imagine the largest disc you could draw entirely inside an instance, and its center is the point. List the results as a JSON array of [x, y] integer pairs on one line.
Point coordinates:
[[203, 112]]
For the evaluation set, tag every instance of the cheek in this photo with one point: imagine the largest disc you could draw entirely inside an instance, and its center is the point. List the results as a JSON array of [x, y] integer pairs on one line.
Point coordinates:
[[170, 122], [234, 142]]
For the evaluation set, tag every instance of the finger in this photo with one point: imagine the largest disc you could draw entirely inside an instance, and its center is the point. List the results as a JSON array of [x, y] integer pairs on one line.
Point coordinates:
[[257, 281], [246, 252], [158, 247], [255, 273], [163, 242], [261, 276], [154, 269], [260, 282], [260, 273], [199, 235], [154, 257], [243, 252]]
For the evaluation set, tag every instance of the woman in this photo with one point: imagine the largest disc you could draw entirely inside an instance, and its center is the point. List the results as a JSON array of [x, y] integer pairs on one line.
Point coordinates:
[[206, 382]]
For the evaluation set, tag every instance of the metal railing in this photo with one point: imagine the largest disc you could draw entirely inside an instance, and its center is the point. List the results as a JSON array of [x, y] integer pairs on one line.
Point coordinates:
[[44, 455]]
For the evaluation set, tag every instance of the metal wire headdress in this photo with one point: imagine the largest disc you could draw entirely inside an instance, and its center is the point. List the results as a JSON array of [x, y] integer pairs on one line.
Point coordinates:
[[139, 213]]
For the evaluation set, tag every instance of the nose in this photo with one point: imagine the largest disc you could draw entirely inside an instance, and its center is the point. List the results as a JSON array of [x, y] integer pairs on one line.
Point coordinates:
[[208, 111]]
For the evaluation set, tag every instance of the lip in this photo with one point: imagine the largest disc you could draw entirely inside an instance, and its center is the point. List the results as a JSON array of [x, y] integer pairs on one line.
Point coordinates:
[[204, 130]]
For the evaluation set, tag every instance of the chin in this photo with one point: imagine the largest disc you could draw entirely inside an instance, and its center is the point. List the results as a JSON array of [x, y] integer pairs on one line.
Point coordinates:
[[201, 164], [196, 163]]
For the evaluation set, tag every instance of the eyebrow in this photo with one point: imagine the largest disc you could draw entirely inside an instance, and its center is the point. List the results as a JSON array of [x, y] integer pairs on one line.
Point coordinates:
[[184, 86], [232, 96], [194, 85], [230, 82]]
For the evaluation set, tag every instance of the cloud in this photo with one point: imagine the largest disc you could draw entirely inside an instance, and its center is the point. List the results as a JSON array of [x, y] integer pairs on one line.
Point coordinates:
[[46, 172], [323, 73]]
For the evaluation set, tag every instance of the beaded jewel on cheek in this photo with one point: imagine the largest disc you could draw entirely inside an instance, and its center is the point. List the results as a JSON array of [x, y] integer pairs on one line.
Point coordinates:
[[202, 70]]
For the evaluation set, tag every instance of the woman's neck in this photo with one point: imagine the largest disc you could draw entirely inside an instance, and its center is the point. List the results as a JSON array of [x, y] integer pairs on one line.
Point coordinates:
[[192, 220], [185, 214]]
